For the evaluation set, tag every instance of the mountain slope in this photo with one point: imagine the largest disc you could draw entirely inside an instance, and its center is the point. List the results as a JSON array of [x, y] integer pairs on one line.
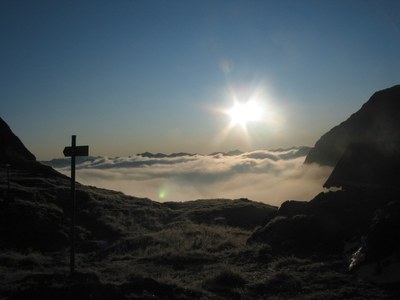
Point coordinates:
[[367, 165], [360, 222], [377, 121], [11, 147]]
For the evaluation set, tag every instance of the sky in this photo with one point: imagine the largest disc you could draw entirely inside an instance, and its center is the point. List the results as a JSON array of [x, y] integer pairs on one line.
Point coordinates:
[[162, 76]]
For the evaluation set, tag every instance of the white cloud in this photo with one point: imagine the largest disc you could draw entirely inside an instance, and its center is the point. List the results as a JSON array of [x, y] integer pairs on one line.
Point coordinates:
[[268, 176]]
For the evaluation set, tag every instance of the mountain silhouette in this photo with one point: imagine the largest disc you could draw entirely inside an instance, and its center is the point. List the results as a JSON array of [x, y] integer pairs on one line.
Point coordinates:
[[14, 154], [367, 165], [365, 151], [377, 121], [162, 155], [11, 147], [180, 154]]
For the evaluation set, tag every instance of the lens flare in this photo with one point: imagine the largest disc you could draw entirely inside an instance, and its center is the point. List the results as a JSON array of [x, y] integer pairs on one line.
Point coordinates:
[[162, 193]]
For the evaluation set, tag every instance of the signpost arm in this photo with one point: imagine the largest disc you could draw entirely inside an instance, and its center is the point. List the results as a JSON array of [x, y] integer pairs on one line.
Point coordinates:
[[72, 237]]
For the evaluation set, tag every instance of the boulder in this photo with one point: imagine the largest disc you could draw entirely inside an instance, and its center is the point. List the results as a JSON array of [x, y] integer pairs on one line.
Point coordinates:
[[300, 235]]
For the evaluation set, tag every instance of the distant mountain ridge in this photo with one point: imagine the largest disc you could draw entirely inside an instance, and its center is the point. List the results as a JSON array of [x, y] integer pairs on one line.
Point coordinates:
[[301, 151], [229, 153], [162, 155], [377, 121], [180, 154], [148, 158]]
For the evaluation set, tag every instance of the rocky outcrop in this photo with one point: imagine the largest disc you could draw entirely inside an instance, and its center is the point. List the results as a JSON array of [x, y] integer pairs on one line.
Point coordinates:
[[383, 238], [323, 225], [11, 147], [14, 154], [378, 256], [377, 121], [367, 165], [361, 221], [301, 235]]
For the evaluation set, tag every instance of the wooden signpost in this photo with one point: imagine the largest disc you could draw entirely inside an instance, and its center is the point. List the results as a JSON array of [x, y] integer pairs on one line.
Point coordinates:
[[72, 152]]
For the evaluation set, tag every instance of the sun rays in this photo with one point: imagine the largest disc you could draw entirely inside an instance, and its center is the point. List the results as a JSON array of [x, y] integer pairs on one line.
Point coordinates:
[[249, 109]]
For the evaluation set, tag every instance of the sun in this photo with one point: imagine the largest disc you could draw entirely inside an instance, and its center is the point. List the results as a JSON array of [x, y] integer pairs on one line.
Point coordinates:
[[243, 113], [250, 114]]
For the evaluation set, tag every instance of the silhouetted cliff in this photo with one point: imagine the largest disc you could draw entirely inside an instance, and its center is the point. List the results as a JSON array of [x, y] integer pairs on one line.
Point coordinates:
[[11, 147], [360, 222], [377, 121], [367, 165]]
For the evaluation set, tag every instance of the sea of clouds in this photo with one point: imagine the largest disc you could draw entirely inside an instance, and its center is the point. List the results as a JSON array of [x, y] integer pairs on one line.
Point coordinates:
[[269, 176]]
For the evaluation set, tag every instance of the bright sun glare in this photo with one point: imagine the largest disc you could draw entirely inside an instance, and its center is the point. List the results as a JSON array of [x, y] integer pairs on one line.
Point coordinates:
[[248, 104], [242, 113]]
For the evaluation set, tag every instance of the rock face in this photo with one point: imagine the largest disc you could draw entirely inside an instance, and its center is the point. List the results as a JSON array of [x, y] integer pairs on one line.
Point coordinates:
[[378, 256], [301, 235], [367, 165], [383, 238], [14, 154], [322, 225], [11, 147], [377, 121]]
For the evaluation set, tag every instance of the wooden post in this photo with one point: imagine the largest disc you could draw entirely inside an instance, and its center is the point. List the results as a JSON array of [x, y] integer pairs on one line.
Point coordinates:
[[74, 151]]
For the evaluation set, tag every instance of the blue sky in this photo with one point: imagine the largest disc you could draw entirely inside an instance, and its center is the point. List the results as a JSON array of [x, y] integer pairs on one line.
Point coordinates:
[[135, 76]]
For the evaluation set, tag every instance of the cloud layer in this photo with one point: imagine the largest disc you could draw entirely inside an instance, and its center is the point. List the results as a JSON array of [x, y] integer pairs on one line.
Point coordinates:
[[267, 176]]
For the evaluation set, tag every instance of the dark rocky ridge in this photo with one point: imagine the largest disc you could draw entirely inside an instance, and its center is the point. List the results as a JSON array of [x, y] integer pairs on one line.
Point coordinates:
[[14, 155], [377, 121], [361, 221], [367, 165], [11, 147], [362, 226]]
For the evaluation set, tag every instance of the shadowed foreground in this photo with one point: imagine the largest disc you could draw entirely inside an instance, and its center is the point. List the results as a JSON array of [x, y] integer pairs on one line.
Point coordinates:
[[131, 248]]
